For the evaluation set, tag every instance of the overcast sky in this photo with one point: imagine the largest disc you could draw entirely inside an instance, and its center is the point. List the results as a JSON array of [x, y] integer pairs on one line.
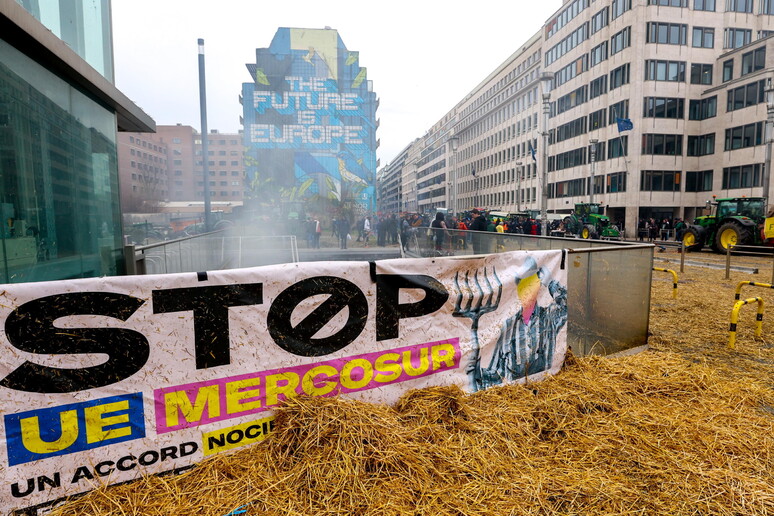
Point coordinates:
[[423, 56]]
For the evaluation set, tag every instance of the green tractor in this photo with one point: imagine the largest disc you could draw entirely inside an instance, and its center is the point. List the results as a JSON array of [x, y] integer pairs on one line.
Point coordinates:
[[734, 221], [588, 221]]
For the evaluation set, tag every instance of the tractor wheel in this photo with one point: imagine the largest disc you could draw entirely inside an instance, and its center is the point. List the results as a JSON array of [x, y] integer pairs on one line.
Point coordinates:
[[589, 232], [693, 239], [731, 234]]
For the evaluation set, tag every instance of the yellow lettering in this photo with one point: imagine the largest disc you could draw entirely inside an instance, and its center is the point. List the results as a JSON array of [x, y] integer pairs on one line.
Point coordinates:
[[178, 401], [274, 389], [308, 383], [30, 430], [346, 373], [382, 366], [235, 395], [96, 421], [423, 363], [443, 353]]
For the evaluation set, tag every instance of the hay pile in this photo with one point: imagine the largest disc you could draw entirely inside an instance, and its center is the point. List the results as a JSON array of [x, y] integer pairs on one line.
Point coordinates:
[[687, 428]]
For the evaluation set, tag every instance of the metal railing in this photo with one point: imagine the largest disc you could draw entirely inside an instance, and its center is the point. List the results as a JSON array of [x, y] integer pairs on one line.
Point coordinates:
[[210, 251]]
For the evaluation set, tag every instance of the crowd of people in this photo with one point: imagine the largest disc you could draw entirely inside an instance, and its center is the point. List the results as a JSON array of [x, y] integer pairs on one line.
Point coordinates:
[[384, 229], [651, 229]]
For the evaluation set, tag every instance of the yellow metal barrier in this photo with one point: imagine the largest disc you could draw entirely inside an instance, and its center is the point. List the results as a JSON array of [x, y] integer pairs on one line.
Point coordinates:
[[735, 318], [738, 294], [674, 275]]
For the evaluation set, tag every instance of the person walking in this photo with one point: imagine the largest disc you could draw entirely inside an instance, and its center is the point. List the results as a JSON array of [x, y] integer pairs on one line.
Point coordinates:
[[342, 226], [440, 231], [317, 233], [366, 230], [477, 225]]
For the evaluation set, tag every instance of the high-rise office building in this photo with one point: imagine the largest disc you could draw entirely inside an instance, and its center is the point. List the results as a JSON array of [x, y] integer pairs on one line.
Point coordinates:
[[687, 78], [310, 127]]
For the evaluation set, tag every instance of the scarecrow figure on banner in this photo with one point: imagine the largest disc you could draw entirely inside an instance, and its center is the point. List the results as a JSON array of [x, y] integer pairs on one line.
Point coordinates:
[[527, 341]]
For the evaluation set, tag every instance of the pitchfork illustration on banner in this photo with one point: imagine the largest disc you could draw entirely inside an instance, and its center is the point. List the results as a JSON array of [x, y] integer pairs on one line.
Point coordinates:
[[527, 341]]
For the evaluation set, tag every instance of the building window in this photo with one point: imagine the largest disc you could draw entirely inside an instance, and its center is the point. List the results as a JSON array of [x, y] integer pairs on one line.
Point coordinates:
[[666, 33], [598, 53], [618, 7], [744, 136], [616, 182], [728, 70], [662, 144], [704, 5], [669, 3], [621, 40], [571, 188], [618, 147], [619, 110], [660, 181], [598, 119], [703, 109], [767, 7], [702, 145], [701, 73], [563, 18], [746, 176], [600, 20], [739, 6], [703, 37], [572, 70], [619, 76], [753, 61], [134, 164], [569, 130], [574, 39], [698, 181], [571, 100], [598, 87], [672, 71], [663, 107], [747, 95], [735, 38]]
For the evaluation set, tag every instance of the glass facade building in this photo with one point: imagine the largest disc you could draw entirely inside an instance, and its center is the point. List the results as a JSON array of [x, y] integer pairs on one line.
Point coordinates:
[[59, 197], [84, 26]]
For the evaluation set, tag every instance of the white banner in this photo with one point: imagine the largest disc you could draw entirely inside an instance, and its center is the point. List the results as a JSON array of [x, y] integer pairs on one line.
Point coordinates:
[[106, 379]]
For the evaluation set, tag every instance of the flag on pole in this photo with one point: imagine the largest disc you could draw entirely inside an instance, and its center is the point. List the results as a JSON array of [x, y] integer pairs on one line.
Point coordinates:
[[532, 152], [624, 124], [473, 172]]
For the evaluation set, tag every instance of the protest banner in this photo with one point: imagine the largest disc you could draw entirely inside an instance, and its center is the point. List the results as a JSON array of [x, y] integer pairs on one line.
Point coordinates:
[[103, 380]]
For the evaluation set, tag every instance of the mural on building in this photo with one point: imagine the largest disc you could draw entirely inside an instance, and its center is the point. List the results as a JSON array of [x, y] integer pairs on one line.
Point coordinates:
[[310, 126]]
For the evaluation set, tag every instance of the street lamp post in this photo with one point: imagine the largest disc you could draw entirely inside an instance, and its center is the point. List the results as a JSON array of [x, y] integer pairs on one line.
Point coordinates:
[[519, 170], [453, 143], [593, 152], [205, 137], [766, 180], [546, 78]]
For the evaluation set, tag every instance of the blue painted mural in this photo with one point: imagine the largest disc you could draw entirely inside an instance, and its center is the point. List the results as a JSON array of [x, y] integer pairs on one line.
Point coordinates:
[[310, 126]]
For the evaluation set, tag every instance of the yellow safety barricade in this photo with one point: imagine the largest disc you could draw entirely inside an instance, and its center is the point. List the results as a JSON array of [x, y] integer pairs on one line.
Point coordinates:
[[738, 294], [735, 318], [674, 275]]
